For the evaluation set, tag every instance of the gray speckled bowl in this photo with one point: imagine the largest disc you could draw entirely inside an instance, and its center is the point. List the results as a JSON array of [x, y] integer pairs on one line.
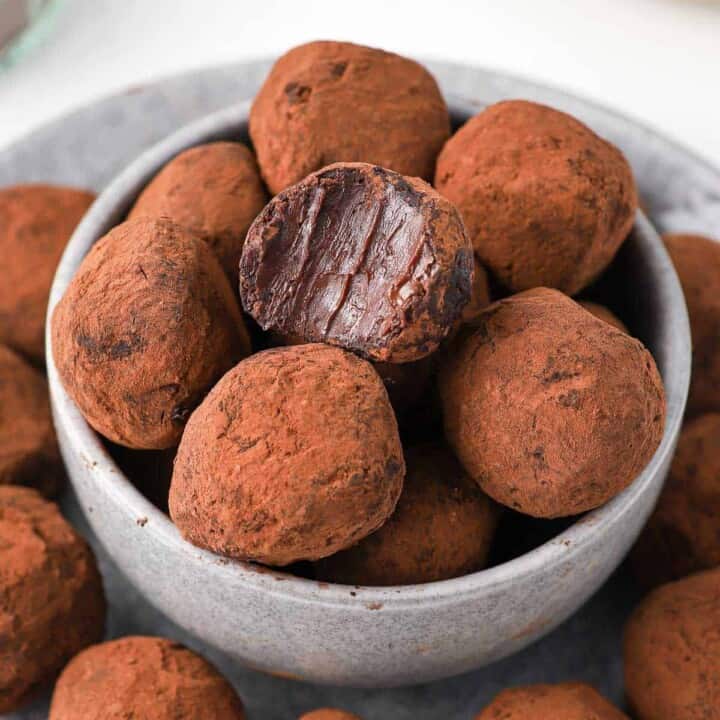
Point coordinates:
[[368, 636]]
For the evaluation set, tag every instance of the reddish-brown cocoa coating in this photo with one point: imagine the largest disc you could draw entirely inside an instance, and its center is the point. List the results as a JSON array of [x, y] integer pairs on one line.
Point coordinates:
[[361, 257], [36, 221], [683, 534], [143, 678], [213, 190], [550, 410], [545, 200], [600, 311], [328, 714], [442, 528], [146, 327], [328, 102], [294, 455], [29, 452], [697, 261], [51, 597], [672, 651], [564, 701]]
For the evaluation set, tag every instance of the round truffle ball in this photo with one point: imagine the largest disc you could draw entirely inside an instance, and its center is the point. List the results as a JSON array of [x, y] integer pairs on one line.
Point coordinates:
[[545, 200], [36, 221], [603, 313], [682, 535], [697, 261], [213, 190], [294, 455], [328, 714], [361, 257], [564, 701], [143, 678], [442, 528], [29, 452], [51, 597], [326, 102], [550, 410], [146, 327], [672, 651]]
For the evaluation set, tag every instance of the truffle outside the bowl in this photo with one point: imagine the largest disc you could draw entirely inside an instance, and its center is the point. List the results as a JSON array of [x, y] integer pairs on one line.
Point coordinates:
[[361, 636]]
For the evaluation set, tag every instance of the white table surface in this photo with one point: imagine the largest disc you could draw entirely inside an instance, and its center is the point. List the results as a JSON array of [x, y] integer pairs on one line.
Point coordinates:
[[657, 60]]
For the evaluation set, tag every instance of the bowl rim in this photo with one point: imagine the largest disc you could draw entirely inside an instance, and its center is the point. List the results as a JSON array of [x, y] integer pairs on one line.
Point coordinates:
[[109, 208]]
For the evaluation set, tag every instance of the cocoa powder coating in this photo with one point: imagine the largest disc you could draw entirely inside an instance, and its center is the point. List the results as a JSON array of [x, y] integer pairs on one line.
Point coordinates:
[[328, 714], [550, 410], [603, 313], [361, 257], [546, 202], [294, 455]]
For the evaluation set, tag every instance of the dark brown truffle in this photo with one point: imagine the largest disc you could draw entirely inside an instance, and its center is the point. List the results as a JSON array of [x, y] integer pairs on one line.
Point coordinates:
[[550, 410], [29, 452], [213, 190], [565, 701], [328, 714], [672, 651], [36, 221], [545, 200], [682, 536], [143, 678], [147, 326], [51, 597], [327, 102], [361, 257], [294, 455], [697, 261], [442, 528], [601, 312]]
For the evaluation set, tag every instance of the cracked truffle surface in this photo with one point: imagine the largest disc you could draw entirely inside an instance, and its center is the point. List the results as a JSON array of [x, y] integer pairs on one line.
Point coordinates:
[[603, 313], [146, 327], [294, 455], [143, 678], [213, 190], [550, 410], [361, 257], [36, 221], [51, 598], [29, 453], [327, 102], [545, 201]]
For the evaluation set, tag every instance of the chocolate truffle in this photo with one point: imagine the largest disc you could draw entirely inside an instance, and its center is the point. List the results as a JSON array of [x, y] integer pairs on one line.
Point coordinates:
[[682, 535], [146, 327], [36, 221], [29, 452], [326, 102], [51, 598], [564, 701], [600, 311], [143, 678], [442, 528], [361, 257], [294, 455], [213, 190], [672, 651], [328, 714], [697, 261], [550, 410], [545, 200]]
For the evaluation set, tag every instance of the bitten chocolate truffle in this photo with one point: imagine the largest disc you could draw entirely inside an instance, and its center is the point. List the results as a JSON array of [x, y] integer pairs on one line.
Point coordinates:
[[672, 651], [326, 102], [294, 455], [36, 221], [682, 535], [361, 257], [51, 598], [146, 327], [565, 701], [697, 261], [442, 528], [143, 678], [29, 452], [550, 410], [545, 200], [328, 714], [213, 190], [603, 313]]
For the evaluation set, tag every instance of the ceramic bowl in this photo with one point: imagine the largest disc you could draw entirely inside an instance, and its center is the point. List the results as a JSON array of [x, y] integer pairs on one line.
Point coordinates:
[[363, 636]]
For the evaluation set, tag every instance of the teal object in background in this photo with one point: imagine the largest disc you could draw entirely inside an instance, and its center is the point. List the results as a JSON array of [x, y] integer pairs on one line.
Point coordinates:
[[23, 25]]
